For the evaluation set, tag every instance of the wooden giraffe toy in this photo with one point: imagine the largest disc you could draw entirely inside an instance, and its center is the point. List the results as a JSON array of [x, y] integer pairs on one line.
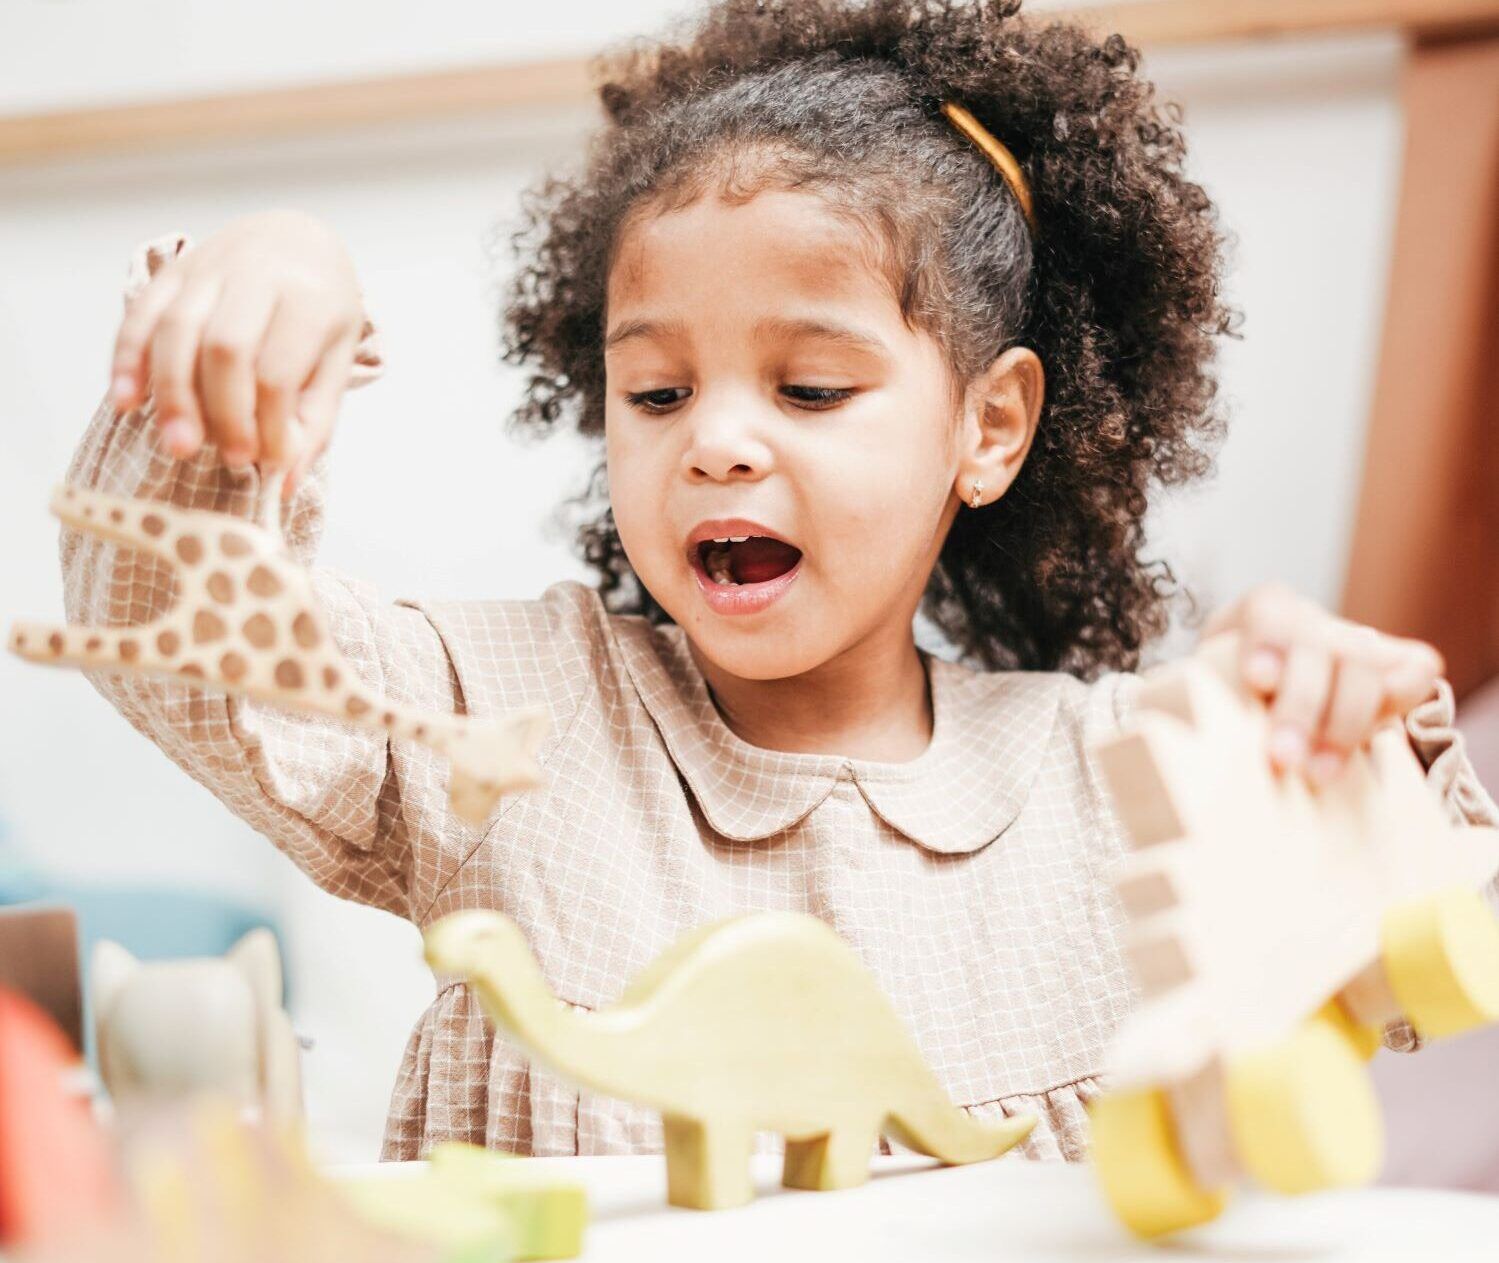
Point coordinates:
[[1274, 930], [246, 620], [765, 1022]]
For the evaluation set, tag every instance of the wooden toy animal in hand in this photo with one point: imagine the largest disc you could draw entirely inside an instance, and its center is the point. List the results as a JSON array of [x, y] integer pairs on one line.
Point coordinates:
[[246, 620], [765, 1022], [1274, 931]]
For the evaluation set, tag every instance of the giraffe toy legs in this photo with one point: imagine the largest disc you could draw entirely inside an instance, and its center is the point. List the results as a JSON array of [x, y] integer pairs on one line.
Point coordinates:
[[246, 620]]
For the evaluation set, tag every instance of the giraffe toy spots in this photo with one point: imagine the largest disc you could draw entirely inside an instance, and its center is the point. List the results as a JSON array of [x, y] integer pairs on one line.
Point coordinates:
[[246, 620]]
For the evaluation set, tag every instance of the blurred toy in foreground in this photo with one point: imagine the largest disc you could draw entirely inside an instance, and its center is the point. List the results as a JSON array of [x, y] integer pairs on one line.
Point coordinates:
[[762, 1022], [466, 1195], [1274, 931], [195, 1184], [168, 1030], [202, 1187], [57, 1172], [247, 620]]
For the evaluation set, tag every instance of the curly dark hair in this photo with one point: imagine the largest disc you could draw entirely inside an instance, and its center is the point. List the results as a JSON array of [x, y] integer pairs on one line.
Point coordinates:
[[1117, 292]]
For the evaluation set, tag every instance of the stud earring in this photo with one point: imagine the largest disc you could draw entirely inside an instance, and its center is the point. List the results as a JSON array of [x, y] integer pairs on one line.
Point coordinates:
[[977, 494]]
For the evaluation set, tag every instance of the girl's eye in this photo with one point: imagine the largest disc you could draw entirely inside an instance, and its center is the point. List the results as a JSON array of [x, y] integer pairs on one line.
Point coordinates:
[[658, 400], [815, 398], [810, 398]]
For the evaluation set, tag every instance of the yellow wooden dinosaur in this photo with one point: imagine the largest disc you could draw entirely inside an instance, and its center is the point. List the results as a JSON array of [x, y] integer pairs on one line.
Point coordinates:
[[766, 1022]]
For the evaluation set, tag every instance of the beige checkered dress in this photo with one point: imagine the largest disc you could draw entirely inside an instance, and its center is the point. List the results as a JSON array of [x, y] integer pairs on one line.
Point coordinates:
[[973, 881]]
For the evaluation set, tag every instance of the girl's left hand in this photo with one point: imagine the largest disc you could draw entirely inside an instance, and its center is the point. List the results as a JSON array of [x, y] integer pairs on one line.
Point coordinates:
[[1329, 682]]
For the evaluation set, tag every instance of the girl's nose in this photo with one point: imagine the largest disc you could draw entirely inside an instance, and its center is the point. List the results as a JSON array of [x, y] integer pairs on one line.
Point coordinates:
[[725, 447]]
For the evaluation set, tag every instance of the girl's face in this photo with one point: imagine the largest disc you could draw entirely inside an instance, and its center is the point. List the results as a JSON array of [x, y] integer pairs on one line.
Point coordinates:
[[764, 388]]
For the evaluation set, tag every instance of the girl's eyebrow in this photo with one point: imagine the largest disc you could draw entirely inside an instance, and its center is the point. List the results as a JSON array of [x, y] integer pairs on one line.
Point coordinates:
[[850, 336], [770, 329]]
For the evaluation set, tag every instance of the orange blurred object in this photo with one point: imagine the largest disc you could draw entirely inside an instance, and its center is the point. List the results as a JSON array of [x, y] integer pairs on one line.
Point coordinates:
[[57, 1172]]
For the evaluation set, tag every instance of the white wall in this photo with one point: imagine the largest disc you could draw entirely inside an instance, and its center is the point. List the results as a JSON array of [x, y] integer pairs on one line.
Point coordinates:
[[1300, 145]]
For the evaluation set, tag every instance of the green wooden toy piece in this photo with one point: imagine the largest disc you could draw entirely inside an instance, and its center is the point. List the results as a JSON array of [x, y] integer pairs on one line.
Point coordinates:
[[547, 1215], [475, 1205]]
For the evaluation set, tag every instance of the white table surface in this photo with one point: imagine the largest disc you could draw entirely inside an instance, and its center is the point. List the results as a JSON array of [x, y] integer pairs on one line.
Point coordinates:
[[1003, 1210]]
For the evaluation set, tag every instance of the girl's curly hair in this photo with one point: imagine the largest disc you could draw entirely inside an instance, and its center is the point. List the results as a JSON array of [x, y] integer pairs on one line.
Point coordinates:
[[1117, 293]]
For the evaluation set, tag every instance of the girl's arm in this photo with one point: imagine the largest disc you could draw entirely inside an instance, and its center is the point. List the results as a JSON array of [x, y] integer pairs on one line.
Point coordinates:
[[339, 800]]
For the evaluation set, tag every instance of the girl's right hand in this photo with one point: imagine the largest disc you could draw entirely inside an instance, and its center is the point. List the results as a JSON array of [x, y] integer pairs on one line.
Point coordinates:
[[242, 337]]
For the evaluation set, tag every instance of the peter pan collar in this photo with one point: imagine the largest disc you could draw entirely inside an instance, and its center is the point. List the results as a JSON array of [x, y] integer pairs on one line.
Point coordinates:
[[990, 734]]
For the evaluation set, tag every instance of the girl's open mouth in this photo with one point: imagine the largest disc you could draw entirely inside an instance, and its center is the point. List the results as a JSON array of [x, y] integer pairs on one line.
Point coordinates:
[[743, 574]]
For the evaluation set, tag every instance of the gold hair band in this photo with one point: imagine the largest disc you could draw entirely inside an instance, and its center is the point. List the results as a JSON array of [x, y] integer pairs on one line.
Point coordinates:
[[999, 156]]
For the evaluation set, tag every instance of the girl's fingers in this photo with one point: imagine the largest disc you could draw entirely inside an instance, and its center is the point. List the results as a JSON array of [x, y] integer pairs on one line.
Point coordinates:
[[1261, 665], [174, 360], [1411, 682], [1408, 669], [1299, 705], [1358, 698], [318, 407], [129, 362], [1270, 620], [226, 365], [294, 344]]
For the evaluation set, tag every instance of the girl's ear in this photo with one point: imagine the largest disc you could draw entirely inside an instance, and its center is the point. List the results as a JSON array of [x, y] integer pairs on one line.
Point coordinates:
[[1000, 410]]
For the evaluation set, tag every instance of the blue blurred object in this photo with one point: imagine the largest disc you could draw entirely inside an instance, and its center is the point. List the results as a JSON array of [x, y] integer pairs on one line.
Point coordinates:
[[151, 922]]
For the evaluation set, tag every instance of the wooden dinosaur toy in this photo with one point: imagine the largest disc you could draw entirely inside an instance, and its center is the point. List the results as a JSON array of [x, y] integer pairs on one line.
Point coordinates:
[[1274, 930], [246, 620], [766, 1022]]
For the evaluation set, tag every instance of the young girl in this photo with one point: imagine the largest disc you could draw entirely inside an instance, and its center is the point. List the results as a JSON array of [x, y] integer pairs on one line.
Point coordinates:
[[877, 308]]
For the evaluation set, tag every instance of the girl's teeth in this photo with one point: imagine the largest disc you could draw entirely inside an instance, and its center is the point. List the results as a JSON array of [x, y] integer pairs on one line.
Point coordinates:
[[716, 563]]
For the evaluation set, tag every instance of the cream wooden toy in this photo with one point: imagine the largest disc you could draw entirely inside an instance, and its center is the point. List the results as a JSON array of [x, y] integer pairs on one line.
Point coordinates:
[[765, 1022], [174, 1029], [246, 620], [1274, 932]]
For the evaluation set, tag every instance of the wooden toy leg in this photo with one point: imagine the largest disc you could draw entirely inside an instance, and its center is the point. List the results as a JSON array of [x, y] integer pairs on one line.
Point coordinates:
[[1442, 958], [1303, 1112], [1141, 1168], [839, 1159], [136, 523], [708, 1163], [57, 644]]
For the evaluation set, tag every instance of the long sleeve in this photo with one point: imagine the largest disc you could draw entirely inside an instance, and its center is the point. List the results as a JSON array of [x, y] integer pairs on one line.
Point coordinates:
[[336, 798], [1433, 733]]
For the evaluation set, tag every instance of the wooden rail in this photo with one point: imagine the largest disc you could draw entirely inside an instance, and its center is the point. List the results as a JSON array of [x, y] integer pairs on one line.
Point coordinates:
[[1159, 22], [487, 88]]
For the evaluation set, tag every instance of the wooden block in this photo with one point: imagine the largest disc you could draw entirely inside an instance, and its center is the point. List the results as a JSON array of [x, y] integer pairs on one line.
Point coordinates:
[[547, 1214], [39, 958], [468, 1197], [765, 1022]]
